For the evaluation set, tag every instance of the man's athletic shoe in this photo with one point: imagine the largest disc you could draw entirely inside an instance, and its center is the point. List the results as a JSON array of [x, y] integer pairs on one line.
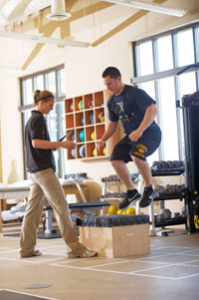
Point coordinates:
[[85, 254], [129, 198], [147, 197]]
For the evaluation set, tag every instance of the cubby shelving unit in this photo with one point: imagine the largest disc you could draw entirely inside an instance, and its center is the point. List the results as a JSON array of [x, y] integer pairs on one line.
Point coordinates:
[[86, 115]]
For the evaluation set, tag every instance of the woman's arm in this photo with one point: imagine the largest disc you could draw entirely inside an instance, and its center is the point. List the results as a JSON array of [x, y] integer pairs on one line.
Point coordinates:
[[43, 144]]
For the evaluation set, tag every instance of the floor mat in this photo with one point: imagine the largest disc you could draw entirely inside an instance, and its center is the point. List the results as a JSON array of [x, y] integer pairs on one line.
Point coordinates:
[[41, 235], [9, 295]]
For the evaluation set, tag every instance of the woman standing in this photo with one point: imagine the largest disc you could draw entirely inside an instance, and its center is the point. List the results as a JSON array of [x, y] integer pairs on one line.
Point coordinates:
[[44, 183]]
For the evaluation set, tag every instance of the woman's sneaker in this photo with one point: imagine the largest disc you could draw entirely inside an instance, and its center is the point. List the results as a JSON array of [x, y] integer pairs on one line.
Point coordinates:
[[30, 254], [130, 197], [87, 253], [147, 197]]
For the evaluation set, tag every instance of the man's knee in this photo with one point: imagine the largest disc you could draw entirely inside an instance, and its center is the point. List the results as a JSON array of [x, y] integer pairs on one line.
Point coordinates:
[[138, 160], [116, 163]]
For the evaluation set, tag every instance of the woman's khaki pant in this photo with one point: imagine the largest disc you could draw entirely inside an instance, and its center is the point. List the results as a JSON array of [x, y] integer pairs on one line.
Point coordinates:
[[45, 184]]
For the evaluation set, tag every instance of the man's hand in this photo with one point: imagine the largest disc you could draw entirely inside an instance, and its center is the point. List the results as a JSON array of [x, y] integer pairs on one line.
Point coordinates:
[[101, 145], [135, 135]]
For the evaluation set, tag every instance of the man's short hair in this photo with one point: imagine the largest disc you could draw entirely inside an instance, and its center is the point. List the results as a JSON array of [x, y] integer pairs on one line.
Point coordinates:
[[112, 72]]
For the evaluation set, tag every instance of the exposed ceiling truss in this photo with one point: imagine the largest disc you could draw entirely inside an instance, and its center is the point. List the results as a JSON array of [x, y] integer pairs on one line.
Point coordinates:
[[46, 28]]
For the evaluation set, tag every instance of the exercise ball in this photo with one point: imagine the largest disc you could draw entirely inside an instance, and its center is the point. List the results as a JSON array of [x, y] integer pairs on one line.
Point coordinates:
[[72, 107], [91, 117], [93, 135], [73, 137], [73, 153], [81, 105], [120, 212], [94, 153], [112, 210], [82, 135], [82, 151], [100, 117], [130, 211], [82, 120], [104, 151]]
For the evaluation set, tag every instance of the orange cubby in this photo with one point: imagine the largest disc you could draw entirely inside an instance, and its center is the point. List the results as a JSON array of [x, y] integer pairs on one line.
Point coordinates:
[[99, 115], [79, 119], [102, 152], [69, 121], [81, 151], [90, 147], [79, 103], [100, 129], [98, 99], [69, 106], [70, 135], [88, 101], [72, 154], [90, 133], [89, 117]]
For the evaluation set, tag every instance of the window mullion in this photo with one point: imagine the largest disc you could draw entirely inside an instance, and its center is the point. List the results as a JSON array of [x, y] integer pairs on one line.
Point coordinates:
[[157, 97], [178, 116], [174, 50], [155, 55]]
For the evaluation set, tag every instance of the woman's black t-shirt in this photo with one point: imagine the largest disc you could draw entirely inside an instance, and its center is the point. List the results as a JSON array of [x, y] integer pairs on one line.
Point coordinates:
[[37, 159]]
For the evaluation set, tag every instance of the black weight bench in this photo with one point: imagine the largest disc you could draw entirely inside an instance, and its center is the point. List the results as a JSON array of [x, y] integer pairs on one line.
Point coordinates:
[[86, 208]]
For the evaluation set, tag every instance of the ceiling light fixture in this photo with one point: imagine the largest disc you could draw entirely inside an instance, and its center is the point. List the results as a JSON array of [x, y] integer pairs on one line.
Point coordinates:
[[159, 8], [58, 11], [42, 39]]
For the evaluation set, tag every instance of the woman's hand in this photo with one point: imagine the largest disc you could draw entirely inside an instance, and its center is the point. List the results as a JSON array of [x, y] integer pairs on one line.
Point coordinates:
[[68, 144]]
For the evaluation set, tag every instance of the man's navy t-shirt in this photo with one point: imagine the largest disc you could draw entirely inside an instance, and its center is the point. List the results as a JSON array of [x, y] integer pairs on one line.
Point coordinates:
[[130, 107], [37, 159]]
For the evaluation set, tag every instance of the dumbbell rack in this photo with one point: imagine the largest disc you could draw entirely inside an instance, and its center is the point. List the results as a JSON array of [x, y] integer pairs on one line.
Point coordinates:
[[115, 179], [167, 222]]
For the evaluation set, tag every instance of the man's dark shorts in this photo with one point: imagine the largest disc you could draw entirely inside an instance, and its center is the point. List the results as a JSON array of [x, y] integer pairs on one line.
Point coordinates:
[[145, 146]]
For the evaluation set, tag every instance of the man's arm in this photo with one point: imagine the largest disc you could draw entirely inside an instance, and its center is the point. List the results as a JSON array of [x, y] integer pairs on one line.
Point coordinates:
[[149, 117], [111, 128]]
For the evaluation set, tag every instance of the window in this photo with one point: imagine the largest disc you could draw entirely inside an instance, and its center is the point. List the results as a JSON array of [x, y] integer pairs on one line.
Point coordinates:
[[185, 45], [145, 57], [164, 50], [52, 80], [158, 59], [167, 110]]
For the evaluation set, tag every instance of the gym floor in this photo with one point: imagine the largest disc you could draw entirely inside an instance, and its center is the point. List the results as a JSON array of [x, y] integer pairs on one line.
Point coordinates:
[[170, 271]]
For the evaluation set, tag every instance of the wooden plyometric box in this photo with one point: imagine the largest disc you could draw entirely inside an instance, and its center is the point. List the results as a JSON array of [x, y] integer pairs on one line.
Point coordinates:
[[117, 241]]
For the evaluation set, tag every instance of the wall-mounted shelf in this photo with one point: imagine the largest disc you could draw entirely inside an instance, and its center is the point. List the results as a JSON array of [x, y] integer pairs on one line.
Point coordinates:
[[86, 115]]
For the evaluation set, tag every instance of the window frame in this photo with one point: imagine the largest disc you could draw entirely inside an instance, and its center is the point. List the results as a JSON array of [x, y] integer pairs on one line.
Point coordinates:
[[173, 72]]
